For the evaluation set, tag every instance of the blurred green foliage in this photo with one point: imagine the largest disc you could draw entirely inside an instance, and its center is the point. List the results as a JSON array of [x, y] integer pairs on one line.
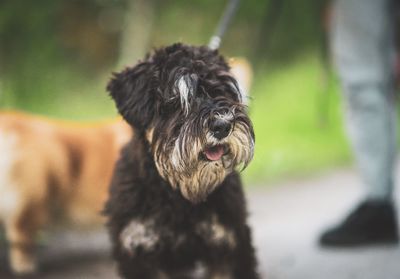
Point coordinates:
[[56, 57]]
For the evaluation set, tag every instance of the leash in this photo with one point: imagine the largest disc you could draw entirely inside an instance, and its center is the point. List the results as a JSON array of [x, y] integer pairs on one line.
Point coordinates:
[[223, 24]]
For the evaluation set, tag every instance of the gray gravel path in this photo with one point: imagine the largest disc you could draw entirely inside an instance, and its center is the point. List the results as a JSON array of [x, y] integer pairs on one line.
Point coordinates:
[[288, 219], [286, 222]]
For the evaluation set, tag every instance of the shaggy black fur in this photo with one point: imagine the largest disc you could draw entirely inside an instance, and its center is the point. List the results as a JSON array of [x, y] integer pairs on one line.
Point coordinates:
[[179, 234]]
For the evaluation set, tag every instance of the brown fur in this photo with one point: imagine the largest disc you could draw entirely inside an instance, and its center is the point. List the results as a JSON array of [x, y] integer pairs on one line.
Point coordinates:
[[55, 166], [242, 70]]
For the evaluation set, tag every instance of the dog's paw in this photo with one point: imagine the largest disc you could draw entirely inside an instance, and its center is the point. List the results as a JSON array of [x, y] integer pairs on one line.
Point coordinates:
[[138, 236], [23, 264]]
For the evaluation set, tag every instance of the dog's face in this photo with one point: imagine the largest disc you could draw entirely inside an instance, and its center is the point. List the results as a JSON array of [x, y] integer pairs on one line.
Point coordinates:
[[185, 103]]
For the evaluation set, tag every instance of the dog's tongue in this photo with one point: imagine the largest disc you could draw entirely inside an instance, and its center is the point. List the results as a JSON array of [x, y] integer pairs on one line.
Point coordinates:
[[214, 153]]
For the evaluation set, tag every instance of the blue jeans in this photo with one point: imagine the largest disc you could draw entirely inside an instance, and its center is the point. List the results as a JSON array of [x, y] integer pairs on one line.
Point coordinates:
[[363, 50]]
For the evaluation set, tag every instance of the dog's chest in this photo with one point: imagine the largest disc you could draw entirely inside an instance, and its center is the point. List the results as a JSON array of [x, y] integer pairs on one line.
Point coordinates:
[[214, 233], [149, 236]]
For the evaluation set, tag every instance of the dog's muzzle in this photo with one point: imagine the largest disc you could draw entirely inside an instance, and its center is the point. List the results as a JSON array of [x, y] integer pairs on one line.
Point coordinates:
[[220, 128]]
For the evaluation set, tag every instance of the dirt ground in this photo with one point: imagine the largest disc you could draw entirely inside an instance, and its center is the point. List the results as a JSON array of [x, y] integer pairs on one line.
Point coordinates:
[[286, 222]]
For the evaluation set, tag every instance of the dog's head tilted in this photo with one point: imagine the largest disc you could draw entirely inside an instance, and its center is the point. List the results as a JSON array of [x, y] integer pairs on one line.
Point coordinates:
[[186, 104]]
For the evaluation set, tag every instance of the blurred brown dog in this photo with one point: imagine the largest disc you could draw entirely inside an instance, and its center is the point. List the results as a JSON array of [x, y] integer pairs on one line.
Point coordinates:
[[49, 166]]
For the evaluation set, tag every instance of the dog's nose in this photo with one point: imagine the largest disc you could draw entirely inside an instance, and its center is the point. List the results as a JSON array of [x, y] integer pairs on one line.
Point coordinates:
[[220, 128]]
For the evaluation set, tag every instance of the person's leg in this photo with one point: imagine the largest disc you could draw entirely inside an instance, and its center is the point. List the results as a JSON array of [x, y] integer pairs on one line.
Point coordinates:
[[363, 49], [371, 127]]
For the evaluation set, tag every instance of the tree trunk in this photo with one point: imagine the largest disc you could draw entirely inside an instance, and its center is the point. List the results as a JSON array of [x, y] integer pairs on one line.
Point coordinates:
[[136, 32]]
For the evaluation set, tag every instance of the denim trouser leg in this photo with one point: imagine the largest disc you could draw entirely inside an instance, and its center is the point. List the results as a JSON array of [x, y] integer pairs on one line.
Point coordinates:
[[363, 51]]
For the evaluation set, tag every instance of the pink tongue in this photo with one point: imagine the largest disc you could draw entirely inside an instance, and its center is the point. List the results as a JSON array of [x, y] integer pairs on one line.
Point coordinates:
[[214, 153]]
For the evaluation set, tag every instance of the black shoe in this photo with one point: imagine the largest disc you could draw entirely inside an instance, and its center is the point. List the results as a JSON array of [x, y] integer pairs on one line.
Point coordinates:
[[373, 222]]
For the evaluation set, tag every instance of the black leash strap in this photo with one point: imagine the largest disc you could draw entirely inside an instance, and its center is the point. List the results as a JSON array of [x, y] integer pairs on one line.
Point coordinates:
[[223, 24]]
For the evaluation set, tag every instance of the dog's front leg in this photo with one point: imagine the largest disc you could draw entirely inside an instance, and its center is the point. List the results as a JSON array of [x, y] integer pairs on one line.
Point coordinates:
[[138, 240], [138, 237], [246, 264], [21, 229]]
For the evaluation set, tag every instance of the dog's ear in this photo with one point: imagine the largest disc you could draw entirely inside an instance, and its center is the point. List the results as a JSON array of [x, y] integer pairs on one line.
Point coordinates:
[[132, 94]]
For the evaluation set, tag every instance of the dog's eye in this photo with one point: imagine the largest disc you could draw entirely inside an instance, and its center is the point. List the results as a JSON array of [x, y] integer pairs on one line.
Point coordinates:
[[169, 106]]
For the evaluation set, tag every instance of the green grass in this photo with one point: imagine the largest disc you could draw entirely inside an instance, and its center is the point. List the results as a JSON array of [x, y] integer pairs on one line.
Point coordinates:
[[297, 123]]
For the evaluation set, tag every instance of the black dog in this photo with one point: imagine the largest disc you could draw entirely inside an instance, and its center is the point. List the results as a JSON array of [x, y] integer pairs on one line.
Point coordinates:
[[176, 206]]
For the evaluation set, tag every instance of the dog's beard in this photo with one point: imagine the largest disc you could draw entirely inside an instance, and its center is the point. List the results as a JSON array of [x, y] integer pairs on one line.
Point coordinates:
[[183, 164]]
